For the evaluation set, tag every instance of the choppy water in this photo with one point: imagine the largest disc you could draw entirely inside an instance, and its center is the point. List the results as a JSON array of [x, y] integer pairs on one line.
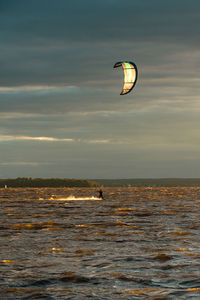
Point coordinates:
[[138, 243]]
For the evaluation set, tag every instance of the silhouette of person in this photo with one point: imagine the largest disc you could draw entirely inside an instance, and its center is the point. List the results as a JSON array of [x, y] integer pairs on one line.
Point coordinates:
[[101, 194]]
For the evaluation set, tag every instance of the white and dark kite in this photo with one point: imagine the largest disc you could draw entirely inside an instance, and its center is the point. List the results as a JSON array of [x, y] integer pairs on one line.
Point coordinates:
[[130, 75]]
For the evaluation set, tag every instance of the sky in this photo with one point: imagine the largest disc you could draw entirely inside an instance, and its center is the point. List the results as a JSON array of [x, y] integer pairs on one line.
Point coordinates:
[[61, 113]]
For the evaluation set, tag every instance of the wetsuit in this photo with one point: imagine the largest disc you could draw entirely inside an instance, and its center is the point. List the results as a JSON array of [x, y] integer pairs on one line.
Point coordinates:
[[100, 194]]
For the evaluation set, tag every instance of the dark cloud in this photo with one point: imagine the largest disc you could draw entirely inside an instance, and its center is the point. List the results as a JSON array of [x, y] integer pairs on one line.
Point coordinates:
[[67, 43], [100, 20]]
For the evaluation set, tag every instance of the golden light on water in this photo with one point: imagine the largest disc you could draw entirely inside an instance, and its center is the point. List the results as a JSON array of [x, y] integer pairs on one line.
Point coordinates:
[[7, 261], [57, 250]]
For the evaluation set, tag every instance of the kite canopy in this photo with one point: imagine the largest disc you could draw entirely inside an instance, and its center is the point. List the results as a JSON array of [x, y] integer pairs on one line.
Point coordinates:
[[130, 75]]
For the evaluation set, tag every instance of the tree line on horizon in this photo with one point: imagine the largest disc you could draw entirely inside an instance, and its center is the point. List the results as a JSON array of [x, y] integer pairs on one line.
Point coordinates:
[[46, 182]]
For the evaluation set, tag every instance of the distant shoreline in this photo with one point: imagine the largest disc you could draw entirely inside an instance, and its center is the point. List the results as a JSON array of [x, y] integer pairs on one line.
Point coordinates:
[[46, 182], [65, 182], [149, 182]]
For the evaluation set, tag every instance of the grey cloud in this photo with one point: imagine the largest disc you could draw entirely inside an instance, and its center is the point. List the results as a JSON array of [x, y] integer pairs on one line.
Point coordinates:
[[96, 161]]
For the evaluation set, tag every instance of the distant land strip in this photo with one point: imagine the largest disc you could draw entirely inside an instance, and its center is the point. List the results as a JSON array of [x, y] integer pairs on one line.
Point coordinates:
[[46, 182], [149, 182], [65, 182]]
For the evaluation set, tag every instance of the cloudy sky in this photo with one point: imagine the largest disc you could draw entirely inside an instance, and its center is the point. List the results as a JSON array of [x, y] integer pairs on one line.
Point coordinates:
[[61, 113]]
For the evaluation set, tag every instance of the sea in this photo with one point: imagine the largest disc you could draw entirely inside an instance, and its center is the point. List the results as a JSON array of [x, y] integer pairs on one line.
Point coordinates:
[[66, 243]]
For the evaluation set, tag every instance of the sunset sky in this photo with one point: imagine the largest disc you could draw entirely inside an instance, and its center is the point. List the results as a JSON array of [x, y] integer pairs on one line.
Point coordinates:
[[61, 113]]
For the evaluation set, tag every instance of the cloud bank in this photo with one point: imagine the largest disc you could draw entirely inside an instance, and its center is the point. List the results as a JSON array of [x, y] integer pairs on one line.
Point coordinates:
[[60, 106]]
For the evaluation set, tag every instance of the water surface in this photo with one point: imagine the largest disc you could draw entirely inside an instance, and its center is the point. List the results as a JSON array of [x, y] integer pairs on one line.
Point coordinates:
[[137, 243]]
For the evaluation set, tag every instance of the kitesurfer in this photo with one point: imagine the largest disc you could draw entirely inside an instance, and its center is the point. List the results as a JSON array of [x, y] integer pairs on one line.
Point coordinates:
[[101, 194]]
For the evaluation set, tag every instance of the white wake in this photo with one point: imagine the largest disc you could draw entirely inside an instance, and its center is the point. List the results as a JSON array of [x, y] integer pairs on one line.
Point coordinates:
[[72, 198]]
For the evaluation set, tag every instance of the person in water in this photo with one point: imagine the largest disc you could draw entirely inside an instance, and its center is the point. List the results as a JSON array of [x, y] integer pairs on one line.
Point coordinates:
[[101, 194]]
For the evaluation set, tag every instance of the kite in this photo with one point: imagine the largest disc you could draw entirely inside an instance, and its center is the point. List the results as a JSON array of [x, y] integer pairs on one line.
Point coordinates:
[[130, 75]]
